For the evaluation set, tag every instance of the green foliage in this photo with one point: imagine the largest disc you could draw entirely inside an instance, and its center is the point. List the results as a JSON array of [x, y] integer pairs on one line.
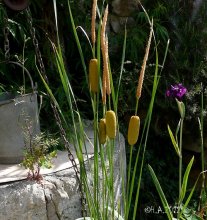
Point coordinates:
[[161, 193], [138, 33], [183, 208], [37, 151]]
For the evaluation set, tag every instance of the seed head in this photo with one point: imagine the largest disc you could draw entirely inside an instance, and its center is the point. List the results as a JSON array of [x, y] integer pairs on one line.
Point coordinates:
[[102, 131], [93, 75], [111, 124], [142, 72], [93, 22], [133, 130], [104, 49]]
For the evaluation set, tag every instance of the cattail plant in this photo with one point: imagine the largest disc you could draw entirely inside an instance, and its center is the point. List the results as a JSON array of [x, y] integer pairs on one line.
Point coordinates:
[[101, 199], [111, 124], [133, 130], [93, 75], [102, 131]]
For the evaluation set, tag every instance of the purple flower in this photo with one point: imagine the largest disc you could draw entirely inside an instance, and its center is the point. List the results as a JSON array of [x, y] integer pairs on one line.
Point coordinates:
[[176, 91]]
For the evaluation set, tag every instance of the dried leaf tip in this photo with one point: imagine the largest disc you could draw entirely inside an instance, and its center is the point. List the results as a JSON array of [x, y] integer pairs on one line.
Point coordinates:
[[142, 72], [93, 22]]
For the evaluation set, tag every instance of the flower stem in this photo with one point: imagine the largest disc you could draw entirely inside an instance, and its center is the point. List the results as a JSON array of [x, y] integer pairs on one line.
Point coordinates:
[[180, 162], [137, 104], [202, 146]]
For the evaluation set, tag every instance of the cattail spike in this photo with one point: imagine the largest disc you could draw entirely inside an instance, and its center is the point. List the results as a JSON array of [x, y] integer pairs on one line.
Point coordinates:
[[104, 87], [106, 63], [103, 29], [111, 124], [102, 131], [142, 72], [133, 130], [93, 75], [93, 22], [105, 57]]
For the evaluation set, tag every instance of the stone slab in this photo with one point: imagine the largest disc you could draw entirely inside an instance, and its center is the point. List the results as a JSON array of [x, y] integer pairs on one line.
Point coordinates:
[[57, 197]]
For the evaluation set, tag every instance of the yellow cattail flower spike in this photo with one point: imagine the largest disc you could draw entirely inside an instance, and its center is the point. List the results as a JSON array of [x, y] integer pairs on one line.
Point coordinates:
[[133, 130], [111, 124], [93, 75], [102, 131]]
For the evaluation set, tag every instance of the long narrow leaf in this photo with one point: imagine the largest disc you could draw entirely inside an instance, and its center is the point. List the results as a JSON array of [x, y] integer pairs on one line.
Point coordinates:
[[185, 180], [122, 64], [175, 145], [86, 35], [161, 193], [191, 194], [78, 42]]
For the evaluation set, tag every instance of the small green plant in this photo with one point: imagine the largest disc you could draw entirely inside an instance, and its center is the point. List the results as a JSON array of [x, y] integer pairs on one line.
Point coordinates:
[[37, 151]]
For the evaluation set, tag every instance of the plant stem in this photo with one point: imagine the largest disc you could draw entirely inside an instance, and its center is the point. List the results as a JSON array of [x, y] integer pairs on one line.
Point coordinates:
[[202, 148], [128, 179], [96, 182], [180, 162], [137, 104], [112, 176], [202, 151]]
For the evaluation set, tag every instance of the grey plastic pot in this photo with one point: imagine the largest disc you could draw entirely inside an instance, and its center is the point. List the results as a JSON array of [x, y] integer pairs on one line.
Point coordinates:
[[13, 110]]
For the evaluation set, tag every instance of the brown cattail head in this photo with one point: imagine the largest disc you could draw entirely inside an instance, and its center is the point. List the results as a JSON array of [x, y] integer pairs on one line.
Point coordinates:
[[103, 28], [111, 124], [133, 130], [104, 49], [104, 87], [106, 64], [93, 22], [102, 131], [93, 75], [142, 72]]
